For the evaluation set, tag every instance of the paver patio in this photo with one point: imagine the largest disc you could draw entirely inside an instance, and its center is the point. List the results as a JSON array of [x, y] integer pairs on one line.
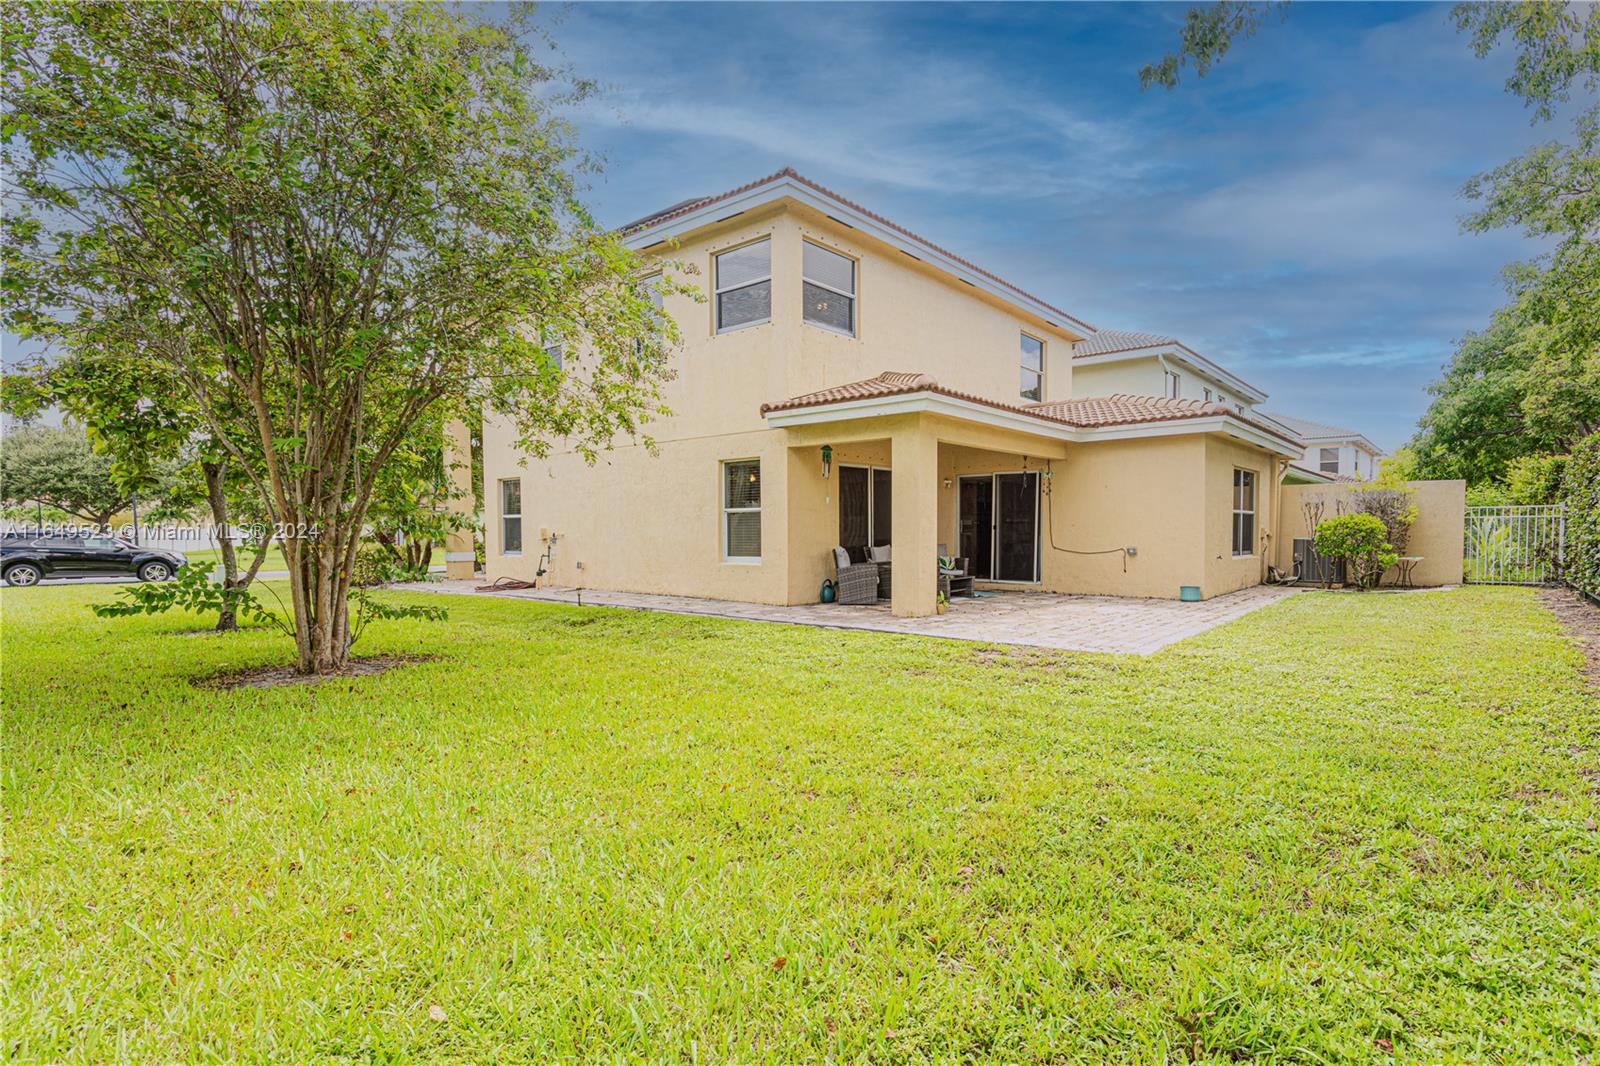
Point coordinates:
[[1033, 619]]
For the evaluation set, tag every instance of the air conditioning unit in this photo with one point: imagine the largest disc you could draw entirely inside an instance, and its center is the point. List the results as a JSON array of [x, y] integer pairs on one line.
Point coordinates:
[[1314, 567]]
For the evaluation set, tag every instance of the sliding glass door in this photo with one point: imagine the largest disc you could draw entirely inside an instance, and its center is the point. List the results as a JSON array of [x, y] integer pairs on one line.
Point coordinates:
[[866, 501], [999, 526]]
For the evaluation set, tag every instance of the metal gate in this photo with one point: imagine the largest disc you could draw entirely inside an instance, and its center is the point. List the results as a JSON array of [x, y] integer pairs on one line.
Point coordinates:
[[1515, 545]]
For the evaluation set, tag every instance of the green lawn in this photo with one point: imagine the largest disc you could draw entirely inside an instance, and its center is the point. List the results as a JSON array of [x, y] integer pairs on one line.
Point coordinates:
[[1342, 823], [273, 562]]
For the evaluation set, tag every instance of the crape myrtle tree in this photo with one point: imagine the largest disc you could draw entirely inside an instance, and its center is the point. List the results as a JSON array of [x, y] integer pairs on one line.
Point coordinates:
[[327, 223]]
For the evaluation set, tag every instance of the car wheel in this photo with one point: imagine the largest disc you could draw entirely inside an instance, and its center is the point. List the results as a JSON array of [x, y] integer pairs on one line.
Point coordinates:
[[22, 575], [154, 572]]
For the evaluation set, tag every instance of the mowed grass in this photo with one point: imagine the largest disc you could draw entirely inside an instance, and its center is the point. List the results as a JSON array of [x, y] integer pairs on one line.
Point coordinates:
[[274, 561], [1340, 825]]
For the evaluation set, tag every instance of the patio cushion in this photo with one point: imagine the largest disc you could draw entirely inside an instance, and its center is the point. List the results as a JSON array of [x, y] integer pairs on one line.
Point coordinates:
[[858, 553], [879, 553], [841, 558]]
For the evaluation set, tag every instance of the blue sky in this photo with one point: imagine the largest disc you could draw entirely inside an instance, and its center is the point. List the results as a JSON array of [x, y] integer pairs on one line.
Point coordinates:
[[1294, 215]]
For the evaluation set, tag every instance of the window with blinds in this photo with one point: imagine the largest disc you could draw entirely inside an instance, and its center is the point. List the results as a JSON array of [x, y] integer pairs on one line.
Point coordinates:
[[1328, 460], [744, 286], [741, 511], [510, 516], [829, 283]]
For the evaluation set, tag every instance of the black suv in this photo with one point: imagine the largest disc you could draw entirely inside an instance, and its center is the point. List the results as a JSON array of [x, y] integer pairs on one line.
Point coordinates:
[[26, 558]]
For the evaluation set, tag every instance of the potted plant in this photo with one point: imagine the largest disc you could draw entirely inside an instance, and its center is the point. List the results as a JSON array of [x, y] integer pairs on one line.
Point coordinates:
[[942, 604]]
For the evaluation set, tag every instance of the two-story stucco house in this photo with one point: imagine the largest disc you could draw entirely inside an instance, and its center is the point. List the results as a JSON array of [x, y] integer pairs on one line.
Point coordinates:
[[1333, 452], [848, 383]]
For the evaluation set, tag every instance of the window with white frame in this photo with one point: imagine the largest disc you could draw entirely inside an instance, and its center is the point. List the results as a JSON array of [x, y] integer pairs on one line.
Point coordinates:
[[1032, 368], [741, 511], [1328, 460], [511, 516], [1208, 395], [652, 292], [828, 281], [1173, 384], [744, 286], [1244, 512]]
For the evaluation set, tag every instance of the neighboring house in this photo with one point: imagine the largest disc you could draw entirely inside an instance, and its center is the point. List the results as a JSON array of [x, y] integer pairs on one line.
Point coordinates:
[[1332, 452], [1149, 364], [848, 383]]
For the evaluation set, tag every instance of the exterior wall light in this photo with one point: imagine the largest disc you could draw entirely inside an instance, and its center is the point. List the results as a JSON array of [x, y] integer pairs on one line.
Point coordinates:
[[827, 460]]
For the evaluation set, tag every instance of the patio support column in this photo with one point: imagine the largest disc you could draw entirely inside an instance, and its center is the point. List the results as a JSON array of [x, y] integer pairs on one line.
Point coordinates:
[[459, 556], [915, 519]]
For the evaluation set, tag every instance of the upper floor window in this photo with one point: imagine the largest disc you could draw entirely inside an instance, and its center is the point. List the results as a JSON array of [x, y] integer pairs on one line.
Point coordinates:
[[1032, 368], [653, 293], [1328, 460], [1244, 512], [554, 349], [1208, 395], [744, 286], [1173, 384], [829, 283]]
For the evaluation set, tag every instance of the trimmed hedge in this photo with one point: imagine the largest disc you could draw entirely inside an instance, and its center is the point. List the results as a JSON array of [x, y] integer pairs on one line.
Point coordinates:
[[1580, 488]]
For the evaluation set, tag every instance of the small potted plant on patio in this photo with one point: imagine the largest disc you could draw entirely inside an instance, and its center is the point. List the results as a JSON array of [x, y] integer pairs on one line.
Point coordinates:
[[942, 604]]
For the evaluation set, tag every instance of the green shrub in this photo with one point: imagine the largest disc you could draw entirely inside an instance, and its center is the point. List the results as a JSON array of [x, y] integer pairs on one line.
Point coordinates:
[[374, 566], [1533, 479], [1487, 494], [1580, 490], [1362, 542]]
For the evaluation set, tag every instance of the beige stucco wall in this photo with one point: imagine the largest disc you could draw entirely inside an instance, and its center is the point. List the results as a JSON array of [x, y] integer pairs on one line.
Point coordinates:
[[1226, 572], [1438, 535], [1143, 376]]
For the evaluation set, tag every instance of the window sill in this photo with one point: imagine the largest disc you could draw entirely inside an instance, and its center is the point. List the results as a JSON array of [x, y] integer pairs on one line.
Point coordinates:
[[743, 325], [732, 561], [830, 329], [511, 555]]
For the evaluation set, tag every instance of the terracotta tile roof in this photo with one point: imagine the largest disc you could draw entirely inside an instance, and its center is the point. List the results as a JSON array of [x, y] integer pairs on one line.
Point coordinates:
[[1121, 340], [688, 206], [1118, 409], [1121, 408], [889, 383]]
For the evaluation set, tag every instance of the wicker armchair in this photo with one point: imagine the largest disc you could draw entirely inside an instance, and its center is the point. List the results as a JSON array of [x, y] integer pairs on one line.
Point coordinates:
[[858, 583]]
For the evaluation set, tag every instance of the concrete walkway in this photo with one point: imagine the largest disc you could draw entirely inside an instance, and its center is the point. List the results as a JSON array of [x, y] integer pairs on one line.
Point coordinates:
[[1031, 619]]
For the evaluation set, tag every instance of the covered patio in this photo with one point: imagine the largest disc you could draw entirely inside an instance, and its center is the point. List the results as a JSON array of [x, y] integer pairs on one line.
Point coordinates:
[[1025, 619], [1121, 496]]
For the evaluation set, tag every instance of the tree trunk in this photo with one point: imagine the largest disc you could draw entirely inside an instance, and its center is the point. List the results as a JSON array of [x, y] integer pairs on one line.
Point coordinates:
[[227, 622], [322, 637]]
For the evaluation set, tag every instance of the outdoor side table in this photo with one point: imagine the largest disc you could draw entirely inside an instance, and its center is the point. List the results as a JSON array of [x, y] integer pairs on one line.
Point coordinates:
[[1406, 564]]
